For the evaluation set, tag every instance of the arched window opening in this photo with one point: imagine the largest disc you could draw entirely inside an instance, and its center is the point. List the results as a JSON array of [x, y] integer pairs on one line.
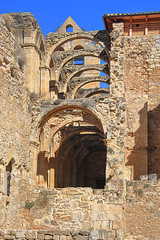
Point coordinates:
[[78, 47], [51, 63], [69, 28], [59, 48], [51, 69], [42, 47], [8, 176], [42, 53]]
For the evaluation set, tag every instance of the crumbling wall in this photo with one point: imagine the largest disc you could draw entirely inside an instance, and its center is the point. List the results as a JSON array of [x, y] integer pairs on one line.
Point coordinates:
[[134, 77], [142, 209], [71, 208], [14, 127]]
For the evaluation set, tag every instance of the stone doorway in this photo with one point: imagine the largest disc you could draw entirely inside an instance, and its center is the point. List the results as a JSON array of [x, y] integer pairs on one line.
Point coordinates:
[[72, 152]]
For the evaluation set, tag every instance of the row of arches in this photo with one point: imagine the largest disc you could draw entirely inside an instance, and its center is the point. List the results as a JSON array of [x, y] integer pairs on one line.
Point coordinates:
[[69, 51], [84, 61], [71, 149]]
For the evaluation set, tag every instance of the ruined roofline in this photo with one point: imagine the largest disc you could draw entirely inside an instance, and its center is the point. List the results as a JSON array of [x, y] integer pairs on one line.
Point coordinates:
[[21, 20]]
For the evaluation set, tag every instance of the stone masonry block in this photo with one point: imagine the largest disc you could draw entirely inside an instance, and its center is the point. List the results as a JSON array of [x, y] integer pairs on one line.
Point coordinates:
[[152, 177], [56, 237], [93, 235], [63, 237], [41, 237], [8, 237], [31, 235], [47, 237], [144, 177]]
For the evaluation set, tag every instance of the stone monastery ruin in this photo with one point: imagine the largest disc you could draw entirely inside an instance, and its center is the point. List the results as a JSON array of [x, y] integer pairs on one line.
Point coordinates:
[[80, 129]]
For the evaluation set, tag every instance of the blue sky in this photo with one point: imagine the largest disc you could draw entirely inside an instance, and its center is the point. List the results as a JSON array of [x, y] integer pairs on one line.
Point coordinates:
[[86, 13]]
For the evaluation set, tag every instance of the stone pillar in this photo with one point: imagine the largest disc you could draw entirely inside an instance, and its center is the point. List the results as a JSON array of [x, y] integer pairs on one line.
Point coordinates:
[[115, 150], [32, 71], [116, 60], [45, 77], [33, 156], [51, 178], [115, 185]]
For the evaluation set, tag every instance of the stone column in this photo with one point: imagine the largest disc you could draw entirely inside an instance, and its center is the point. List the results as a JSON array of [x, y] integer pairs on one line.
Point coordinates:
[[45, 77], [33, 156], [32, 70], [116, 60]]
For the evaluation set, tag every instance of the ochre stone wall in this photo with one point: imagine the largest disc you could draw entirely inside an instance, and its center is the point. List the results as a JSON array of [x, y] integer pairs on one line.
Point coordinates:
[[15, 124], [77, 209], [57, 235], [141, 79], [154, 106], [142, 210]]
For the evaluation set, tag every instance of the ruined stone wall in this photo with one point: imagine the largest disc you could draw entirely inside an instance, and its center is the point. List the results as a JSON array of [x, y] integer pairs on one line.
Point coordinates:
[[15, 124], [69, 213], [141, 79], [57, 235], [83, 213], [142, 210], [28, 34], [75, 209]]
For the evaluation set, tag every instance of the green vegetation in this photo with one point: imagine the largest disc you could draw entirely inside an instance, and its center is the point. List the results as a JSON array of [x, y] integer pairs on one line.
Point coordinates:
[[139, 192], [28, 205]]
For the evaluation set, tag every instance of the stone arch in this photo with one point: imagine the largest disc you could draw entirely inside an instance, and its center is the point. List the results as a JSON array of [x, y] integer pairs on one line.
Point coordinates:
[[78, 86], [62, 125], [83, 69], [88, 117], [58, 106], [52, 118], [39, 41], [78, 132], [97, 92], [42, 52], [76, 55], [75, 36]]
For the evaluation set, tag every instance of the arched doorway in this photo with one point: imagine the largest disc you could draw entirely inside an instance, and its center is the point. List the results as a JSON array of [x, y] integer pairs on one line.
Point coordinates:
[[72, 151]]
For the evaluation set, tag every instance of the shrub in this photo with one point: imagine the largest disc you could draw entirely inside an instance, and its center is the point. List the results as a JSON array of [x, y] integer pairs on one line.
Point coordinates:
[[28, 205]]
